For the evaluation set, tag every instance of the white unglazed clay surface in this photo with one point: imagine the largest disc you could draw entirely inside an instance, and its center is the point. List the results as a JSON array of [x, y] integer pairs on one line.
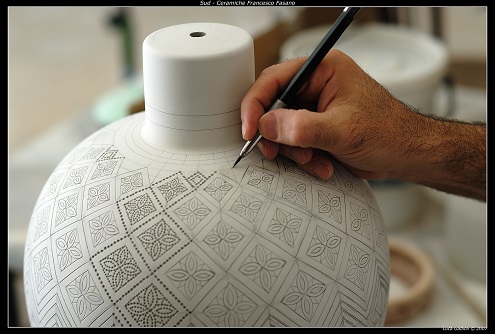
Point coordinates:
[[128, 233]]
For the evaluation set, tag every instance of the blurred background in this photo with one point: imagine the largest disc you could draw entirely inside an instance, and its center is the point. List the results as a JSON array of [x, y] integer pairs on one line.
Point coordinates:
[[72, 70]]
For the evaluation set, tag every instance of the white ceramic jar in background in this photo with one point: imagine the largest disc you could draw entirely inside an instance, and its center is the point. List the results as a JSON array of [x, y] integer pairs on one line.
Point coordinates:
[[465, 235], [411, 65], [408, 62], [465, 220]]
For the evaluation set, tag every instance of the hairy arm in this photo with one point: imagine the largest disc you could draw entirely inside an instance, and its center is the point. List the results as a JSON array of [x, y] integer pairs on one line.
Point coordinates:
[[447, 155], [344, 112]]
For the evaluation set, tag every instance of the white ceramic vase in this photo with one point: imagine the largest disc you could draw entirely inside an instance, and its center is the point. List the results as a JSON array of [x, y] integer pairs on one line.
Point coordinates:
[[146, 223]]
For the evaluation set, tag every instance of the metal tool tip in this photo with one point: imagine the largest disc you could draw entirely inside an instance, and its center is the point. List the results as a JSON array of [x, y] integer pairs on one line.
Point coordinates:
[[238, 159]]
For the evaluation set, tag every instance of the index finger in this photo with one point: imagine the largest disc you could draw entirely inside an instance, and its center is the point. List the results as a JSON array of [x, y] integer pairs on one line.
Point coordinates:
[[265, 90]]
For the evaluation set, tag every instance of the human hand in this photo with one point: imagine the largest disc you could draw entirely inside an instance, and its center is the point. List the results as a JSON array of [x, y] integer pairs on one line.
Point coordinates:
[[340, 110]]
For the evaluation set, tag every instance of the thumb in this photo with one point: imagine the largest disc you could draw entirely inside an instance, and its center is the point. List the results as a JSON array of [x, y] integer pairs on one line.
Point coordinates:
[[292, 127]]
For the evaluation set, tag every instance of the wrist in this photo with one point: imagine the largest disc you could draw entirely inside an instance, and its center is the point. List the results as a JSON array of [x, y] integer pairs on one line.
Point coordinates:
[[447, 155]]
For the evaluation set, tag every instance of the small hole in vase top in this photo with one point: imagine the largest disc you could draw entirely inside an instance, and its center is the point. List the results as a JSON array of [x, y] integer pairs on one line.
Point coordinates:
[[197, 34]]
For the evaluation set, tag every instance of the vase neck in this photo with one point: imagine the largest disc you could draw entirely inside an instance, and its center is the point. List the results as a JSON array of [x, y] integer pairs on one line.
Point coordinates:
[[195, 77], [197, 134]]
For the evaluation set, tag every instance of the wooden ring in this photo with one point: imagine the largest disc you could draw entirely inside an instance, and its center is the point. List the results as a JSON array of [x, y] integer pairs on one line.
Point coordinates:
[[415, 269]]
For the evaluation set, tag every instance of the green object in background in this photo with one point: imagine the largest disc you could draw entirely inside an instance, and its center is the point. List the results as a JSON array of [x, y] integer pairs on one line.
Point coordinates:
[[121, 21], [118, 102]]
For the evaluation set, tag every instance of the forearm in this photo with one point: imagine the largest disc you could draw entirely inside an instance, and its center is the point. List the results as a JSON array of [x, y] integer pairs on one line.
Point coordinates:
[[447, 155]]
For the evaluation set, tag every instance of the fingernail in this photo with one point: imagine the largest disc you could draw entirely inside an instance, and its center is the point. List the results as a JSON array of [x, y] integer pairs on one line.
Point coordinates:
[[322, 171], [243, 129], [262, 147], [298, 154], [269, 151], [268, 126]]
